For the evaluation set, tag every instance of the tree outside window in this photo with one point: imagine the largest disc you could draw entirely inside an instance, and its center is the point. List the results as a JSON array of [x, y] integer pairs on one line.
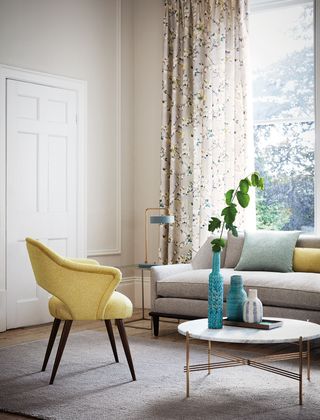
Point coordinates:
[[283, 105]]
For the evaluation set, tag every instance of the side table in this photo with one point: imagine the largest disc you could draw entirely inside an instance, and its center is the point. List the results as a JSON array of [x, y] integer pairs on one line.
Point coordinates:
[[142, 267]]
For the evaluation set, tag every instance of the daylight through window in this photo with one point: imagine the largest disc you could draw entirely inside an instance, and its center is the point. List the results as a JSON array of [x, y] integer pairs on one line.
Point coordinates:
[[282, 59]]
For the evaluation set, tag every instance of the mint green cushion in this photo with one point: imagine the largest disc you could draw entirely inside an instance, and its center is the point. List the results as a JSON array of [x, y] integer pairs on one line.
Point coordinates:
[[268, 251]]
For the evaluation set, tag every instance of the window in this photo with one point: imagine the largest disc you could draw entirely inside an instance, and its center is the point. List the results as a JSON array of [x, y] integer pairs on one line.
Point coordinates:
[[282, 49]]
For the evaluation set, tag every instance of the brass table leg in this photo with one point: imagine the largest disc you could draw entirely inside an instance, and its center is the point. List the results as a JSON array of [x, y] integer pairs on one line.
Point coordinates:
[[308, 359], [232, 361], [300, 369], [187, 366]]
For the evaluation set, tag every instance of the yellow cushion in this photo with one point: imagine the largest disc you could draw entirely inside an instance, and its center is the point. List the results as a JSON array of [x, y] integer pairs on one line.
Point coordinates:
[[118, 307], [306, 260], [58, 309]]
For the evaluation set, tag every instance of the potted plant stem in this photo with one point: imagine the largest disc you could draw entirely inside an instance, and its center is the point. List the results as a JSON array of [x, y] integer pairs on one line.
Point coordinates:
[[233, 197]]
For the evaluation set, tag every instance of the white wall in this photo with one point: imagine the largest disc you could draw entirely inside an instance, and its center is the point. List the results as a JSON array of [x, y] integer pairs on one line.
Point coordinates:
[[78, 39], [147, 117]]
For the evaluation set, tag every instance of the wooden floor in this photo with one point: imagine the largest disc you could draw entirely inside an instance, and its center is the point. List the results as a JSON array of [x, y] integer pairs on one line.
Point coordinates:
[[168, 332], [41, 332]]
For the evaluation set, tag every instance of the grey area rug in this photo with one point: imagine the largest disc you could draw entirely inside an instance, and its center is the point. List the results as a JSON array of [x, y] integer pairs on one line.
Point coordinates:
[[89, 385]]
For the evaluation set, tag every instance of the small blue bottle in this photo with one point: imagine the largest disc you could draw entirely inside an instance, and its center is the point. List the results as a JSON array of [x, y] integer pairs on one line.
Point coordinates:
[[235, 299]]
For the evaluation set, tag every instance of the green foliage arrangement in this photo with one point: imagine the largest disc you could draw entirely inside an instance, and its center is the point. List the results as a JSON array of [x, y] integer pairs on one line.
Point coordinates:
[[229, 213]]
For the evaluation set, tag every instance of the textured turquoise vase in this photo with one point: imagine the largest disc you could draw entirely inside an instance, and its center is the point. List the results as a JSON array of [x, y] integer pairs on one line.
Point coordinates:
[[235, 299], [215, 294]]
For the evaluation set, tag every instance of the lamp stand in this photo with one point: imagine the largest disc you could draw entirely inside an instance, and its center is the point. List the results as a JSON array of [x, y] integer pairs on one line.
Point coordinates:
[[146, 230]]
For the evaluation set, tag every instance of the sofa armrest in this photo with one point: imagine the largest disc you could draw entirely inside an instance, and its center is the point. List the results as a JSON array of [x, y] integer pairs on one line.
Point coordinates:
[[159, 272]]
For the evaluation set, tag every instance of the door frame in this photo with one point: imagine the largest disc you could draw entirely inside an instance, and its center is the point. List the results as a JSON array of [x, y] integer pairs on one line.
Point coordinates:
[[80, 88]]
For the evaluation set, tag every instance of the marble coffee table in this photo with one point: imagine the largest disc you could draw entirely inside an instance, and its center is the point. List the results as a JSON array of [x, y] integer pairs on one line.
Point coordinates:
[[292, 331]]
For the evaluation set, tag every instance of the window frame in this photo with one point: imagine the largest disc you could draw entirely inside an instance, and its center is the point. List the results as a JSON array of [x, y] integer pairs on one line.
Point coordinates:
[[316, 14], [261, 5]]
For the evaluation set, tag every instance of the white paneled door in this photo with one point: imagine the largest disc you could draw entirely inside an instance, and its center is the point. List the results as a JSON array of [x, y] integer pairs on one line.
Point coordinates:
[[41, 189]]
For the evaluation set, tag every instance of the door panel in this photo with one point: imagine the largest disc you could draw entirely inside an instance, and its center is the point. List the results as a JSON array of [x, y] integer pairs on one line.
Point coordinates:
[[41, 189]]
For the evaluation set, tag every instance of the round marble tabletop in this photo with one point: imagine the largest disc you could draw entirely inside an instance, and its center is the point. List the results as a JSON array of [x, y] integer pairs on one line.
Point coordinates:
[[289, 332]]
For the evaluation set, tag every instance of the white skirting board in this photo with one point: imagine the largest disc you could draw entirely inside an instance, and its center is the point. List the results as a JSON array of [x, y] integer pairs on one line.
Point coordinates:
[[3, 324], [131, 287]]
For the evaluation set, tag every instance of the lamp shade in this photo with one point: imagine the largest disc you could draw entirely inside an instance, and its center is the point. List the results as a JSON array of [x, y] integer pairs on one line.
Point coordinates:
[[163, 219]]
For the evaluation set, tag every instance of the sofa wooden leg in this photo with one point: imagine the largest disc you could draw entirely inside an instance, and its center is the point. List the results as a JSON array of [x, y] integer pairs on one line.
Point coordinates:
[[155, 323]]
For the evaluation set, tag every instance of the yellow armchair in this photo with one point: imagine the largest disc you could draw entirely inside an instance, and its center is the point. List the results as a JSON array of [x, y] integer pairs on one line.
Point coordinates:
[[82, 290]]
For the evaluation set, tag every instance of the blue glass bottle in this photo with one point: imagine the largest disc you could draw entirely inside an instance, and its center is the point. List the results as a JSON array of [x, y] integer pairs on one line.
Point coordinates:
[[215, 294], [235, 299]]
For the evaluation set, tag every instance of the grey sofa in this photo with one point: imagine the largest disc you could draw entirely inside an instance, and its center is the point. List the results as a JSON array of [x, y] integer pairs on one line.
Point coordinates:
[[181, 290]]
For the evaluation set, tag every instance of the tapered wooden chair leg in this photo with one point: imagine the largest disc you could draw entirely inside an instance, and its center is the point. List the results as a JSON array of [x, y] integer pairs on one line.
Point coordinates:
[[112, 340], [53, 334], [62, 343], [126, 347]]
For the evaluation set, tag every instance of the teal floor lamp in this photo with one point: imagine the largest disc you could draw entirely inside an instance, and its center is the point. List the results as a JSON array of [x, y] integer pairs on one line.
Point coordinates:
[[164, 217]]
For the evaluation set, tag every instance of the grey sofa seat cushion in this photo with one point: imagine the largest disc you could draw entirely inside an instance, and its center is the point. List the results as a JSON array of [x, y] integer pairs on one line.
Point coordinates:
[[292, 290]]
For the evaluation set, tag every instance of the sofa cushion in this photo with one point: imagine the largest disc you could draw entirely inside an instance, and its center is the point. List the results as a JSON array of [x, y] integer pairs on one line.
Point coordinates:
[[203, 258], [292, 290], [268, 251], [308, 241], [306, 260], [234, 249]]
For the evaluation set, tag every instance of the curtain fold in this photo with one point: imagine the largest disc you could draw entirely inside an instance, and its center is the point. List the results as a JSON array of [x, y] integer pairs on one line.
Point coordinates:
[[205, 122]]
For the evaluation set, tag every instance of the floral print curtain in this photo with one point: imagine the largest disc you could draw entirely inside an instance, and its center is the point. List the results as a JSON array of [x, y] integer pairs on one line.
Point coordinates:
[[205, 126]]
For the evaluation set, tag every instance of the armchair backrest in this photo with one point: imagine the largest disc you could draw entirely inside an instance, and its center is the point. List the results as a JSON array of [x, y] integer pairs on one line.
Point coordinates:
[[83, 288]]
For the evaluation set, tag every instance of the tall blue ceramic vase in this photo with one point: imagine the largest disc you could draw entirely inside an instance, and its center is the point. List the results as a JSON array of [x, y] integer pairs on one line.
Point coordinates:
[[215, 294]]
